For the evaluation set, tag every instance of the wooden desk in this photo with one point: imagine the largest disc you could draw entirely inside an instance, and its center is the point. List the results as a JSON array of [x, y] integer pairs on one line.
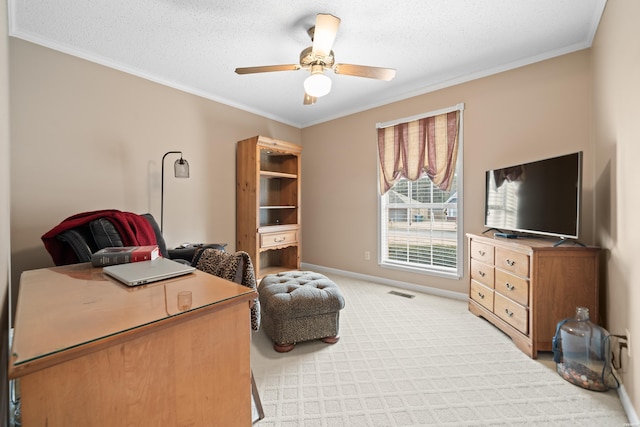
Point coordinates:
[[90, 351]]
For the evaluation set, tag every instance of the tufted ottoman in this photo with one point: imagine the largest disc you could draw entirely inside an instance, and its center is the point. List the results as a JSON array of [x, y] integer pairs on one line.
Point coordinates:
[[299, 306]]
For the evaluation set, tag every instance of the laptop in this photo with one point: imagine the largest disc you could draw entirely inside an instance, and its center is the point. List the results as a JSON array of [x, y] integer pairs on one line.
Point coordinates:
[[142, 272]]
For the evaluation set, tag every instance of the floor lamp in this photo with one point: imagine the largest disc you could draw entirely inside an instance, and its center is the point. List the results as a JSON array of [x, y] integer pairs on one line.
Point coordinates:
[[180, 170]]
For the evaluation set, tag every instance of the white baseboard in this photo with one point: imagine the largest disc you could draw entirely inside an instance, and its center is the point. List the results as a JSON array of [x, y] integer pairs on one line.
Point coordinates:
[[628, 407], [388, 282]]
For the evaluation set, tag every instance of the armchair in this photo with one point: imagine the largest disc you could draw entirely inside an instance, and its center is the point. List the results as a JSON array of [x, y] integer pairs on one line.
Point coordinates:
[[76, 238]]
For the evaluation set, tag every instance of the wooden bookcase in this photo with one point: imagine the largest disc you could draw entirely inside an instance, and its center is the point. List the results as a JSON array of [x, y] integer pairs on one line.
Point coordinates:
[[268, 204], [526, 286]]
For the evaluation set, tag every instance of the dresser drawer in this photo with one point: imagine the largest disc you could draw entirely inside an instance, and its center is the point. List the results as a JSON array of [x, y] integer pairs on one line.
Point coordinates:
[[482, 252], [482, 273], [482, 295], [512, 261], [278, 239], [513, 287], [511, 312]]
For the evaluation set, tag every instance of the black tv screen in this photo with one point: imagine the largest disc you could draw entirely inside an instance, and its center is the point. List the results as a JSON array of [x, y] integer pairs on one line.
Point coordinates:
[[541, 197]]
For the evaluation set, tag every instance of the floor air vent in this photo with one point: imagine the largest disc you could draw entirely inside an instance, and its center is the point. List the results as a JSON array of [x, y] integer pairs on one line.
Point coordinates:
[[401, 294]]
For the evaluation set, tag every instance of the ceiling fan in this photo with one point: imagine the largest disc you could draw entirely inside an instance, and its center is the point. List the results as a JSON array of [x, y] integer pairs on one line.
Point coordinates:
[[318, 58]]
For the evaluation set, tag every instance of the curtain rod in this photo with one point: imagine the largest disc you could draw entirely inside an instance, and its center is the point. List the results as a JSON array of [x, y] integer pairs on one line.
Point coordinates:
[[420, 116]]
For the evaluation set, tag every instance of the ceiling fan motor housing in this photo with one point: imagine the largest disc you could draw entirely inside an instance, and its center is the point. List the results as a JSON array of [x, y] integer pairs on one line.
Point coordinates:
[[308, 58]]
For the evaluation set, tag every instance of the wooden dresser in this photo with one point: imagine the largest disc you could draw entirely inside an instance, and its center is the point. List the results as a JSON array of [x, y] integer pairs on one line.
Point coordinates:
[[89, 351], [525, 286]]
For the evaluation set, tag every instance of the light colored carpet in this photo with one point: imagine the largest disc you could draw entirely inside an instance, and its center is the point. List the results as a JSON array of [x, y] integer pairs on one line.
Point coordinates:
[[418, 362]]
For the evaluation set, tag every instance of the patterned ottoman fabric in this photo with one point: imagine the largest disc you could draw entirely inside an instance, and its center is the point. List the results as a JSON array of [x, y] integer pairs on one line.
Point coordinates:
[[299, 306]]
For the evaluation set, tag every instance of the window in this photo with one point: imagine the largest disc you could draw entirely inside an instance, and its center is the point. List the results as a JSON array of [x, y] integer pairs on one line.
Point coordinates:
[[421, 222], [419, 226]]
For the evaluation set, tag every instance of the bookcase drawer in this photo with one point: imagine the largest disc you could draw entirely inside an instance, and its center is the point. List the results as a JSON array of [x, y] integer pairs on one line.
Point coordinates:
[[278, 239]]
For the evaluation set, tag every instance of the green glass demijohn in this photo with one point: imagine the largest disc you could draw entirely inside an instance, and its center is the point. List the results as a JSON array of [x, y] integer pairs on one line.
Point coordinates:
[[582, 352]]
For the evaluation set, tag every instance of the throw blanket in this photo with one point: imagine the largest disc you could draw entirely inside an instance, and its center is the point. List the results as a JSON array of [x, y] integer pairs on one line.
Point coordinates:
[[236, 267], [134, 230]]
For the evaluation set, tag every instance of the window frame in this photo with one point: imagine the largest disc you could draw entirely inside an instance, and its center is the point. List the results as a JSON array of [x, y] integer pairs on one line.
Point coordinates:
[[450, 273]]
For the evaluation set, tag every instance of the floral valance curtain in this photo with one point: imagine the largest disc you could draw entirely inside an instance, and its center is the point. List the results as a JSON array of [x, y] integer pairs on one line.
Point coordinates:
[[427, 146]]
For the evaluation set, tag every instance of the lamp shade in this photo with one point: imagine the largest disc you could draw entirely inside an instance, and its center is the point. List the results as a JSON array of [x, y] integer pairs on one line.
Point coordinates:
[[181, 168], [317, 84]]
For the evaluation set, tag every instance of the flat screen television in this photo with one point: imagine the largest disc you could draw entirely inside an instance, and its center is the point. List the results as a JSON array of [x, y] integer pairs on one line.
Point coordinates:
[[541, 197]]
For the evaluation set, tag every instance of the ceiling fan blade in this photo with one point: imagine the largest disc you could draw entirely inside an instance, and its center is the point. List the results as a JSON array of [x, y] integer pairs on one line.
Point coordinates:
[[309, 100], [365, 71], [267, 69], [324, 33]]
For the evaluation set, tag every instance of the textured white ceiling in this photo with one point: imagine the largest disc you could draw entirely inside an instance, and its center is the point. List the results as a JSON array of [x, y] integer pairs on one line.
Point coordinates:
[[195, 45]]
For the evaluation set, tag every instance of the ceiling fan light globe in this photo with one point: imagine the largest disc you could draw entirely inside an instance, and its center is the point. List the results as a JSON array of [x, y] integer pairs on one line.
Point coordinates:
[[317, 85]]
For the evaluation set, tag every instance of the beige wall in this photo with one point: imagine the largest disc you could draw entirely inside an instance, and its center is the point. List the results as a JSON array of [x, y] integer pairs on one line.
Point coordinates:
[[4, 210], [526, 114], [616, 78], [88, 137]]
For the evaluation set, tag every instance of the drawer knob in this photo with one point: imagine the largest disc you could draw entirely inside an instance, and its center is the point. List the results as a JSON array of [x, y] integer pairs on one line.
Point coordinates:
[[509, 313], [510, 263], [510, 286], [481, 273], [279, 239], [481, 295], [482, 253]]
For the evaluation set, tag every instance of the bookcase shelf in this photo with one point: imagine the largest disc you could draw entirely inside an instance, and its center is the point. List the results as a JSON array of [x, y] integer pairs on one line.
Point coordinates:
[[270, 174]]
